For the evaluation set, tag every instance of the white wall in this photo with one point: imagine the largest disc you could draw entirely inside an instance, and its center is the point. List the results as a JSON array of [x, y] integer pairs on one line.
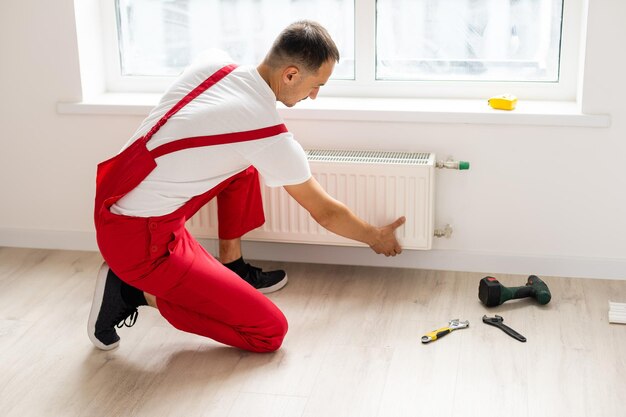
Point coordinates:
[[538, 199]]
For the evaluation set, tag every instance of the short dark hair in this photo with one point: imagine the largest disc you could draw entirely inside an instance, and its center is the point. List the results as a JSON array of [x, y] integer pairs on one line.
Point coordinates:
[[304, 43]]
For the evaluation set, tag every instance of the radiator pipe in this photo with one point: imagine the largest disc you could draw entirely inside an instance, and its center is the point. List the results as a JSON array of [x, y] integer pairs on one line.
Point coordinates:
[[451, 164], [445, 232]]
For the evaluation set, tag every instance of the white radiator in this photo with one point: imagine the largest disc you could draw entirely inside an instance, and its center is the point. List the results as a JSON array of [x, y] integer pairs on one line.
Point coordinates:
[[378, 186]]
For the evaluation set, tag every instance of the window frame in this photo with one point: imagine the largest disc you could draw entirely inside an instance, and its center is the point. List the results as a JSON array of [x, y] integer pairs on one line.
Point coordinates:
[[365, 85]]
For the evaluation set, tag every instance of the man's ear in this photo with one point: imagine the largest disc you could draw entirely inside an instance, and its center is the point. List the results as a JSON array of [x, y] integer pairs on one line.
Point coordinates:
[[291, 74]]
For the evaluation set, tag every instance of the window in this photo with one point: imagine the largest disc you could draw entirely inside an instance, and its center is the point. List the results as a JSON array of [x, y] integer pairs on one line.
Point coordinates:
[[489, 40], [160, 38], [389, 48]]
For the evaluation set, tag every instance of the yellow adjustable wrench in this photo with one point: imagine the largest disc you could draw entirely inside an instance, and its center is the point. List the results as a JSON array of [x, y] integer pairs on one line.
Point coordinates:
[[452, 325]]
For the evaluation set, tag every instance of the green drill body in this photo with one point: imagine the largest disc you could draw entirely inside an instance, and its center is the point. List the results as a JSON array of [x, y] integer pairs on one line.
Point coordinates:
[[492, 293]]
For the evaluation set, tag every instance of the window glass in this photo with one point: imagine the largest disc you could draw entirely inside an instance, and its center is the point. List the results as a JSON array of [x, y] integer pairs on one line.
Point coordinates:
[[469, 40], [161, 37]]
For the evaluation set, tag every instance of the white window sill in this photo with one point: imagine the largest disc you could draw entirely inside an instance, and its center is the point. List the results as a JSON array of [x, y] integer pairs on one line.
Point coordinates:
[[533, 113]]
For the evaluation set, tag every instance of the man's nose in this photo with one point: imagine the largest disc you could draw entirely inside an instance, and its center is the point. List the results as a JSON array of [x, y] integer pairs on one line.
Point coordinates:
[[313, 93]]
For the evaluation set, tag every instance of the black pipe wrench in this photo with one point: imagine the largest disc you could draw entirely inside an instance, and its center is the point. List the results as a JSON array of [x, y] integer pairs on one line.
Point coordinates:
[[497, 322]]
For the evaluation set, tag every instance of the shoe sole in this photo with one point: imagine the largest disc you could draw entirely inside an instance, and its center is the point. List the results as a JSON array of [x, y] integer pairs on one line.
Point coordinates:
[[98, 296], [280, 284]]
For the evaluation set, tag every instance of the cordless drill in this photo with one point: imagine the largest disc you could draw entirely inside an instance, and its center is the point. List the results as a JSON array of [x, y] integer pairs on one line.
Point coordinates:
[[492, 293]]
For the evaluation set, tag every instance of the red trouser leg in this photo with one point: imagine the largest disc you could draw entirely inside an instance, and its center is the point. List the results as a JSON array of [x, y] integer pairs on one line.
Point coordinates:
[[239, 205], [194, 291], [211, 300]]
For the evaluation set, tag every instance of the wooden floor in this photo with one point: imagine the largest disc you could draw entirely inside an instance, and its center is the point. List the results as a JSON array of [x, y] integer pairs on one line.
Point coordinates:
[[353, 349]]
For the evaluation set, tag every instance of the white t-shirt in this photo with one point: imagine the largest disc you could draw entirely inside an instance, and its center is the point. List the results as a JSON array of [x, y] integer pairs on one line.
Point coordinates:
[[239, 102]]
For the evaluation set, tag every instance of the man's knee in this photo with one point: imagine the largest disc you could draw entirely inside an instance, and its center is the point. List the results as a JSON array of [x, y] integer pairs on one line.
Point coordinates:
[[270, 338]]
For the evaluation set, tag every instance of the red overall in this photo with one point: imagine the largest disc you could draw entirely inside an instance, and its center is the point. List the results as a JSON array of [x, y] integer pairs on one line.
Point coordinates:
[[194, 291]]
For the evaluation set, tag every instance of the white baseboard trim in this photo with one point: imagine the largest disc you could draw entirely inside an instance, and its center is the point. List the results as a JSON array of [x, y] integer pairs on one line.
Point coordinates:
[[48, 239], [469, 261], [449, 260]]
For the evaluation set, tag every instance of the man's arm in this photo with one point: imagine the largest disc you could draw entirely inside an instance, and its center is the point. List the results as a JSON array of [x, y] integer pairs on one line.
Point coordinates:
[[336, 217]]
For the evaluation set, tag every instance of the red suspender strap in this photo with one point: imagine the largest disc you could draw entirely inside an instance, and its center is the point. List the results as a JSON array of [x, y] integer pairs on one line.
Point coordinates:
[[206, 84], [220, 139]]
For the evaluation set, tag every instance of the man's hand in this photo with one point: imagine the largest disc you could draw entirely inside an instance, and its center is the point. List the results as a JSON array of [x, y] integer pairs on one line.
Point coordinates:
[[386, 242]]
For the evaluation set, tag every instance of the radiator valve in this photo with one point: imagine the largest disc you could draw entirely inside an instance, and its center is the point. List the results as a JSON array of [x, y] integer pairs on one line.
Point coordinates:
[[445, 232], [451, 164]]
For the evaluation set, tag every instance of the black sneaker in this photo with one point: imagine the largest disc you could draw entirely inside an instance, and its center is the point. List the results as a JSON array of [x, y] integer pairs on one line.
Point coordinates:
[[265, 282], [108, 311]]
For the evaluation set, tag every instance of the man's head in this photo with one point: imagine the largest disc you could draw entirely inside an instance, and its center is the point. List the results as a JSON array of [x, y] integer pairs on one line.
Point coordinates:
[[300, 61]]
